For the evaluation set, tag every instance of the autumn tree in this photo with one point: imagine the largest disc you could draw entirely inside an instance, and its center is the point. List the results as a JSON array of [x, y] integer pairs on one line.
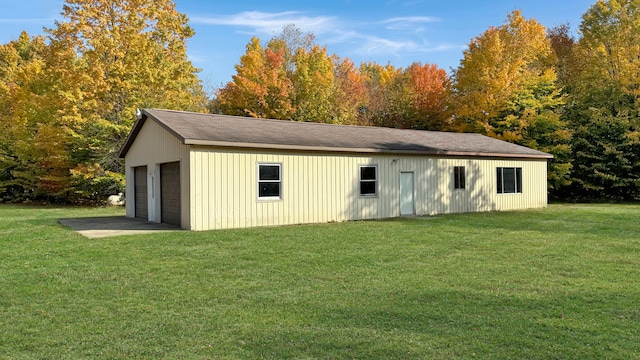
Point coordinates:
[[605, 102], [310, 70], [349, 95], [290, 78], [313, 85], [295, 78], [411, 98], [428, 84], [260, 87], [386, 95], [133, 53], [290, 40], [505, 87], [563, 45], [69, 100], [37, 120]]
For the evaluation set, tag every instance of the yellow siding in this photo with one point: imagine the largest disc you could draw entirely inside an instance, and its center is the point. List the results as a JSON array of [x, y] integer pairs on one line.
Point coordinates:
[[321, 187], [153, 146]]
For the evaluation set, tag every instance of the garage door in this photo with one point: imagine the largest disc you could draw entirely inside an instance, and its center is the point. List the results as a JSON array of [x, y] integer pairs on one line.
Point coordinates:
[[170, 193], [140, 186]]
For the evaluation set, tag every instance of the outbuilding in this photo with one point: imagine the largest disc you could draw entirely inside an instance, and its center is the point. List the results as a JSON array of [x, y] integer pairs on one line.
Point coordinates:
[[207, 171]]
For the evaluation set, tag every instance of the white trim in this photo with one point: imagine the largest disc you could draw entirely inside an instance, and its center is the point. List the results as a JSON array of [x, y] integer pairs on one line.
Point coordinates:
[[375, 181], [258, 181]]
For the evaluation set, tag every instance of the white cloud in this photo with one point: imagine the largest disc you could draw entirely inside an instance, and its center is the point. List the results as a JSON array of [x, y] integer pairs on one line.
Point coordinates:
[[411, 23], [271, 23], [394, 37], [412, 19], [375, 45]]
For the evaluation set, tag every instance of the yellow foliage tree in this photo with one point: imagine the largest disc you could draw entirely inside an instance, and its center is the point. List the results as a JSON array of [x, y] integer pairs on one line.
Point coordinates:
[[68, 102], [133, 53], [35, 103], [505, 87]]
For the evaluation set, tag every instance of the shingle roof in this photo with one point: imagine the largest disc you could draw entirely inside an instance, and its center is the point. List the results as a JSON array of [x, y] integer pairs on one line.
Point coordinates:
[[234, 131]]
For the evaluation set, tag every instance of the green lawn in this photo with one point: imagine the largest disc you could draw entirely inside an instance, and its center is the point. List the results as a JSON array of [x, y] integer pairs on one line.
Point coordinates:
[[557, 283]]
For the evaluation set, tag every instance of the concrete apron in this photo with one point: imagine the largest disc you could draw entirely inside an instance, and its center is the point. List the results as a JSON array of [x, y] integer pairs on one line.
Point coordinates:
[[98, 227]]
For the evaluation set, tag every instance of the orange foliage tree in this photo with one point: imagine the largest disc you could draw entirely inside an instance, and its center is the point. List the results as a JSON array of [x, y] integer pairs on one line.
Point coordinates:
[[260, 87]]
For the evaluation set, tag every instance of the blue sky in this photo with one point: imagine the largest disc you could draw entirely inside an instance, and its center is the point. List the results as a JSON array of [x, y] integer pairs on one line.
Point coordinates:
[[399, 32]]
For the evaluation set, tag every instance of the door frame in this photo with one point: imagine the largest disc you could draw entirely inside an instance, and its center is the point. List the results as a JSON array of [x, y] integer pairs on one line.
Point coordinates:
[[413, 192]]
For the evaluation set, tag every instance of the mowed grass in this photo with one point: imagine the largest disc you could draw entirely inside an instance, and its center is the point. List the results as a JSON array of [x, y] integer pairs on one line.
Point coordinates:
[[556, 283]]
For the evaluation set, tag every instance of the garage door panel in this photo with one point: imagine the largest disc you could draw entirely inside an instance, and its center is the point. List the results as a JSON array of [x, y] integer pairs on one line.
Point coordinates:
[[170, 193], [140, 190]]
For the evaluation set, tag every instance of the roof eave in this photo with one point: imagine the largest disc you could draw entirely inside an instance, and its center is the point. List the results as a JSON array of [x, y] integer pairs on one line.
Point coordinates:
[[231, 144], [132, 135]]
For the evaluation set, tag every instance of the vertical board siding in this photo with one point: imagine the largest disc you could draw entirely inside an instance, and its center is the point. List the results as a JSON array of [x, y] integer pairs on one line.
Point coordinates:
[[154, 145], [321, 187]]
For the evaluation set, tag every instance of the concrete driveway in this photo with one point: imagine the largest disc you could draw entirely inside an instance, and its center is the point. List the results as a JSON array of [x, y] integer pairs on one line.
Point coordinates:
[[106, 226]]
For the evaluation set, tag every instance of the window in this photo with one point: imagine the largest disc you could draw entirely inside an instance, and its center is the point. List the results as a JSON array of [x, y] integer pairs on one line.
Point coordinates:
[[509, 180], [458, 177], [368, 180], [269, 181]]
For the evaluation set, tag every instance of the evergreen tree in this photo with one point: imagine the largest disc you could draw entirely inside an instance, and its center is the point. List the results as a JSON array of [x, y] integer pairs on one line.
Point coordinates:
[[605, 103]]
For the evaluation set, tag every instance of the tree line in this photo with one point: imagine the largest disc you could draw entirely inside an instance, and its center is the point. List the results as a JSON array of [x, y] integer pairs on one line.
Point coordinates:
[[578, 99], [68, 99]]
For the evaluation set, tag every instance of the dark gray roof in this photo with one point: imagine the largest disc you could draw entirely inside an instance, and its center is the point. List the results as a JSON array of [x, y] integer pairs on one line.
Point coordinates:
[[235, 131]]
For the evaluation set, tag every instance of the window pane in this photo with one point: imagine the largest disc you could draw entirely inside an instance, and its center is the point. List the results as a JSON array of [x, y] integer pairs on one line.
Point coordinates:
[[368, 173], [519, 179], [269, 172], [499, 177], [367, 187], [458, 174], [509, 175], [269, 189]]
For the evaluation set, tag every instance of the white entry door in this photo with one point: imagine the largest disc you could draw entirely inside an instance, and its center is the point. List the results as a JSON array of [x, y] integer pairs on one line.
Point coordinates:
[[407, 206]]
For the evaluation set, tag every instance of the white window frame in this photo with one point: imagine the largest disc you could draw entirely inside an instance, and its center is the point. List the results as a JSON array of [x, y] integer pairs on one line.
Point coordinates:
[[374, 181], [259, 181]]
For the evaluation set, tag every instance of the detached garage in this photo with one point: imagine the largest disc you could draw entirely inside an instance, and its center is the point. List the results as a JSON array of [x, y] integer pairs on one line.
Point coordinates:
[[204, 171]]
